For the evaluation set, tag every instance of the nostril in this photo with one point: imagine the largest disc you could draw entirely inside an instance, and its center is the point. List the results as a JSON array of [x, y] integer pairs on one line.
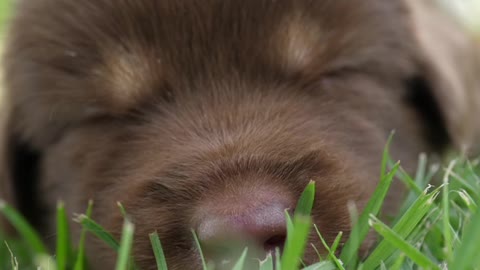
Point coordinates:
[[277, 241]]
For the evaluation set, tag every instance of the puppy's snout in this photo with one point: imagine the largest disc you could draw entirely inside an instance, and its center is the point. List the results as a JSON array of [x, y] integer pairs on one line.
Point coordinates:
[[256, 223]]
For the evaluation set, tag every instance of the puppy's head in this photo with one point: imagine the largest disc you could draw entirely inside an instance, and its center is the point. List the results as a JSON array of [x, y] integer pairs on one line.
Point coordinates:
[[215, 115]]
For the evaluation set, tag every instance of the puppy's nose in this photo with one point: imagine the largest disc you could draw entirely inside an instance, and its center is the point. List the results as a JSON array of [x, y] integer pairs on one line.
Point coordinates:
[[261, 227]]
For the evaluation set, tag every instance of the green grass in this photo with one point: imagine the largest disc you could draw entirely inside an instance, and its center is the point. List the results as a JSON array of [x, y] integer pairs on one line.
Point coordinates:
[[4, 13], [437, 227]]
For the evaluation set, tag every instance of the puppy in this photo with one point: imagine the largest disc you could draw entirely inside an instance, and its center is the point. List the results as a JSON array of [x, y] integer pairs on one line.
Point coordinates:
[[214, 115]]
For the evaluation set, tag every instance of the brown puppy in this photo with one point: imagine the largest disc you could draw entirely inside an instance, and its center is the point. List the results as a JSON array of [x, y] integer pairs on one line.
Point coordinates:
[[215, 114]]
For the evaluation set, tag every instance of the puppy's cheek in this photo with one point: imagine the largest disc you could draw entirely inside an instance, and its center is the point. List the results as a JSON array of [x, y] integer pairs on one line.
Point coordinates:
[[179, 253], [331, 212], [151, 211], [100, 255], [330, 221], [174, 233]]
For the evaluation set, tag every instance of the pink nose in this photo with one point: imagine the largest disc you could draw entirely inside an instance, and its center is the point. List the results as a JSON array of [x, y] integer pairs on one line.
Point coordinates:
[[261, 227]]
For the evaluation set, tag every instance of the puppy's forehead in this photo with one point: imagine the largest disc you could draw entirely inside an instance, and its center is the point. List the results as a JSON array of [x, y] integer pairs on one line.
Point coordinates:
[[126, 75], [297, 39], [263, 34], [129, 46]]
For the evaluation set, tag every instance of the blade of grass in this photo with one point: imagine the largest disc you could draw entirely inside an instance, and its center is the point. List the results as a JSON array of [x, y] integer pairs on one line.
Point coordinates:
[[398, 263], [421, 168], [158, 251], [465, 183], [386, 155], [316, 251], [353, 238], [360, 230], [80, 260], [404, 227], [98, 231], [267, 264], [289, 241], [331, 254], [122, 209], [295, 246], [468, 200], [305, 203], [447, 234], [473, 169], [336, 243], [432, 171], [278, 263], [325, 265], [13, 259], [199, 247], [44, 261], [298, 229], [125, 246], [290, 227], [412, 252], [241, 261], [25, 230], [63, 249], [417, 185], [466, 256], [410, 183]]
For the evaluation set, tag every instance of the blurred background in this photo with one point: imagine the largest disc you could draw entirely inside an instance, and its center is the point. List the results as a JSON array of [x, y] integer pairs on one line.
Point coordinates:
[[468, 11], [4, 11]]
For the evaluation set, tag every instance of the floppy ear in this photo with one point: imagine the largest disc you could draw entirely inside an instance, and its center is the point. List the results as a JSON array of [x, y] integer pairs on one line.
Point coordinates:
[[450, 64], [18, 172]]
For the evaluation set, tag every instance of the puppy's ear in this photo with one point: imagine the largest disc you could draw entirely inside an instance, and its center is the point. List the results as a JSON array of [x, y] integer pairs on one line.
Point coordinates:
[[450, 67], [18, 172]]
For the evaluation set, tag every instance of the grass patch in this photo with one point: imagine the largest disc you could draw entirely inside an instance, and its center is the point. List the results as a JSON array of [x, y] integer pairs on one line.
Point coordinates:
[[437, 228]]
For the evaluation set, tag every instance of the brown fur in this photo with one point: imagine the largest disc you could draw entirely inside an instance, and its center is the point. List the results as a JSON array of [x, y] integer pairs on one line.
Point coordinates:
[[171, 106]]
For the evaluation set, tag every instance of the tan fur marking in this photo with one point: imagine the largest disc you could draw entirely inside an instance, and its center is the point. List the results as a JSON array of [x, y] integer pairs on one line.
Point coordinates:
[[127, 77], [300, 39]]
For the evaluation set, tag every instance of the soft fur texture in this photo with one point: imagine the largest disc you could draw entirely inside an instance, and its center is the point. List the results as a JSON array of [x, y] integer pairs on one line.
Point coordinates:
[[173, 107]]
